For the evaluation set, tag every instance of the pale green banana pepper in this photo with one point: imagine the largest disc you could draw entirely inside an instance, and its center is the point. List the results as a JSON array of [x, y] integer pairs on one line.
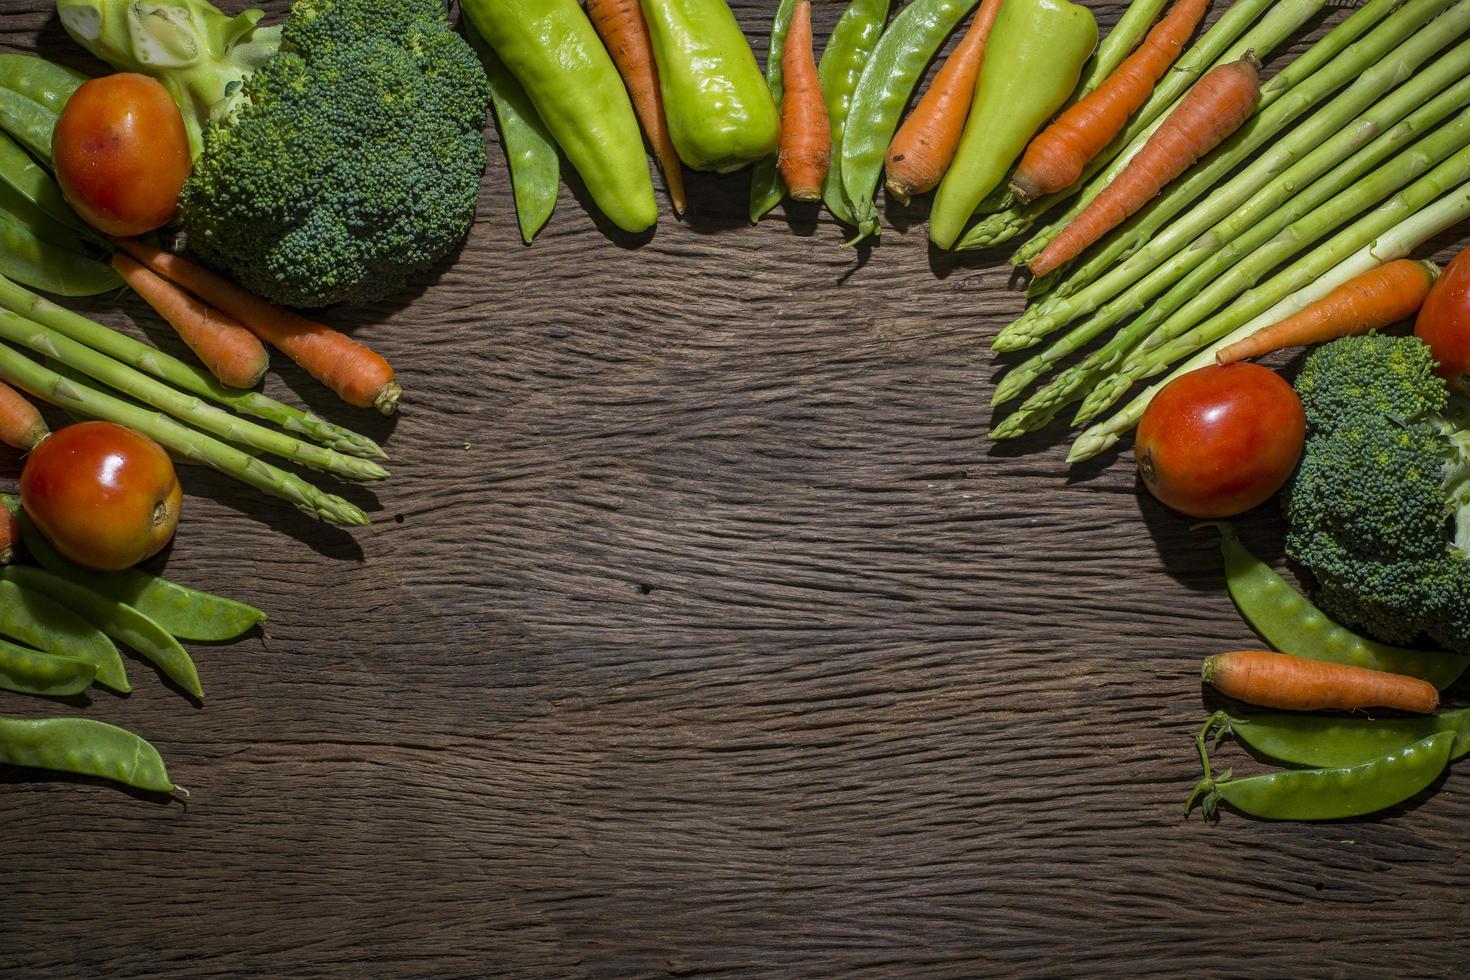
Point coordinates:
[[1035, 55], [720, 111]]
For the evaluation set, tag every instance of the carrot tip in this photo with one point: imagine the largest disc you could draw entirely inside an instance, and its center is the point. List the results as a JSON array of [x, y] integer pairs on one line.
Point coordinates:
[[386, 401]]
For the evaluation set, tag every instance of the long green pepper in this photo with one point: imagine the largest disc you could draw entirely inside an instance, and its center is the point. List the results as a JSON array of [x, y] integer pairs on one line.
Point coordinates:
[[766, 186], [895, 68], [844, 57], [553, 51]]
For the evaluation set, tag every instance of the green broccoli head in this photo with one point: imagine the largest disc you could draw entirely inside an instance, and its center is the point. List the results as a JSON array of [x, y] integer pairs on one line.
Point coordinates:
[[1381, 476], [350, 161]]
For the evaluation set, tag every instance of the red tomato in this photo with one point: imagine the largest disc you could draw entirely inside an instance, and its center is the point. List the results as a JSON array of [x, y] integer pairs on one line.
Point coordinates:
[[107, 497], [1221, 440], [121, 153], [1444, 323]]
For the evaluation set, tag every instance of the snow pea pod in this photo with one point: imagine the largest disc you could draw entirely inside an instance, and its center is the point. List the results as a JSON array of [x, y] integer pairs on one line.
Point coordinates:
[[30, 259], [897, 63], [1032, 62], [33, 183], [553, 51], [40, 622], [720, 112], [43, 82], [26, 671], [1337, 741], [86, 747], [766, 186], [844, 56], [530, 152], [28, 121], [1329, 794], [121, 622], [1291, 624]]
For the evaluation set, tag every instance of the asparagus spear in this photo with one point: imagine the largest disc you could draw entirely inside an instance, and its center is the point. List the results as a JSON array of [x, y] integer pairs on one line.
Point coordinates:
[[1319, 56], [1396, 243], [1255, 226], [1213, 48], [189, 443], [1119, 43], [1183, 333], [187, 408], [189, 377], [1388, 59]]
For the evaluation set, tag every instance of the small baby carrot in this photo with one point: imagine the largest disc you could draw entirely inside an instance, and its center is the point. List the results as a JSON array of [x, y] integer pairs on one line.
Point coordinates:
[[806, 135], [21, 425], [1280, 680]]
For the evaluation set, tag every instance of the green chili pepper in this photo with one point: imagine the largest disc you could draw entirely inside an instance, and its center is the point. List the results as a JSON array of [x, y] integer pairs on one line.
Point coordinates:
[[1328, 794], [766, 186], [33, 183], [553, 51], [1337, 741], [1032, 62], [1289, 623], [721, 116], [27, 258], [39, 80], [121, 622], [185, 613], [897, 63], [86, 747], [843, 58], [27, 671], [42, 623], [28, 121], [530, 152]]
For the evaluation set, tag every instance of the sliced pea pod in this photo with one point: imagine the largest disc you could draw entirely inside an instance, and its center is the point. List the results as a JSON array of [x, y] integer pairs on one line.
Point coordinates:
[[28, 121], [121, 622], [1336, 742], [843, 58], [766, 186], [894, 70], [530, 151], [39, 621], [186, 613], [32, 181], [30, 259], [85, 747], [27, 671], [43, 82]]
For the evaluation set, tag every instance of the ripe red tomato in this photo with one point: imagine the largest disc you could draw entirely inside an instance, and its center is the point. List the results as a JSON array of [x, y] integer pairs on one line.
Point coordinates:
[[1221, 440], [1444, 323], [107, 497], [121, 153]]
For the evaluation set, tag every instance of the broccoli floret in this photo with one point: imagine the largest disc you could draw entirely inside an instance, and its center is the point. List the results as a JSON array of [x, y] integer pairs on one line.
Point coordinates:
[[1382, 476]]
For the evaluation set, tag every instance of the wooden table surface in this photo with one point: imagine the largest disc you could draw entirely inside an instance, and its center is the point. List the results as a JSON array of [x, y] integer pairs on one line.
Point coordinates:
[[701, 630]]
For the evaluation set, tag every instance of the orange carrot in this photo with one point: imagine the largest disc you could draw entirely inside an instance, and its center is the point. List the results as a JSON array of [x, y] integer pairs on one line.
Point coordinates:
[[623, 30], [1213, 109], [1390, 293], [1056, 158], [358, 375], [21, 425], [924, 146], [806, 135], [230, 352], [9, 535], [1280, 680]]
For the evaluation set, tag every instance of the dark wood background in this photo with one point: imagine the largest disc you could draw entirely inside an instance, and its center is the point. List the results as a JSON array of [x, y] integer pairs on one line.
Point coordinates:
[[702, 631]]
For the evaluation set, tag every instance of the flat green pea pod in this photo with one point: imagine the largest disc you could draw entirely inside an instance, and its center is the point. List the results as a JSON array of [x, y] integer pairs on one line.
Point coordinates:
[[26, 213], [1032, 62], [720, 112], [530, 152], [30, 259], [39, 80], [26, 671], [85, 747], [35, 184], [28, 121], [40, 622], [1289, 623], [186, 613], [553, 51], [844, 56], [766, 186], [121, 622], [1337, 741], [1328, 794]]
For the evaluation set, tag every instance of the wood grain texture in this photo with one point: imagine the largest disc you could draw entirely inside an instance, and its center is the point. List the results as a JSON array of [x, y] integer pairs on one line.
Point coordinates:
[[702, 632]]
